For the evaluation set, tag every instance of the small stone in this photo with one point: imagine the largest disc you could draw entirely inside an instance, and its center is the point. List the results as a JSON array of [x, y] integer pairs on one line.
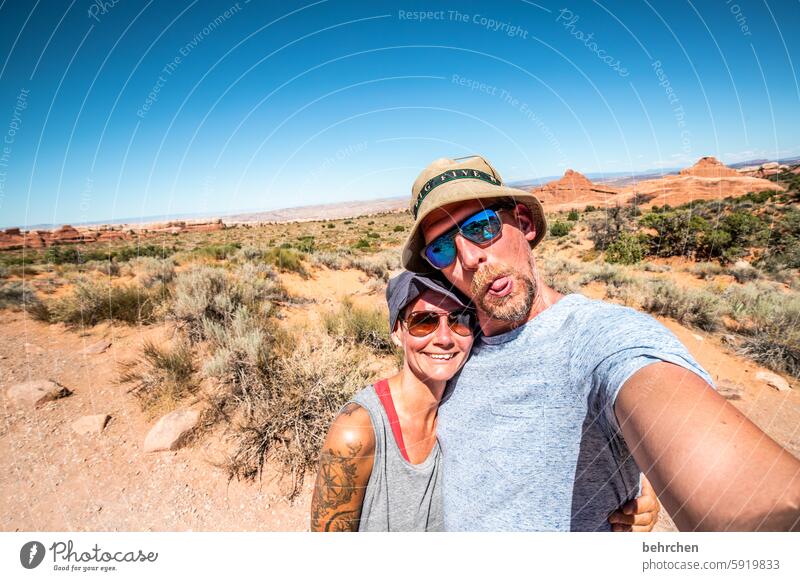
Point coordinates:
[[729, 389], [91, 425], [36, 393], [96, 348], [171, 431], [31, 349], [773, 380], [698, 337]]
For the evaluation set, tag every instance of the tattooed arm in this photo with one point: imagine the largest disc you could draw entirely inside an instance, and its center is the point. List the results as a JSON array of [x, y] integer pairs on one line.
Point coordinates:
[[345, 466]]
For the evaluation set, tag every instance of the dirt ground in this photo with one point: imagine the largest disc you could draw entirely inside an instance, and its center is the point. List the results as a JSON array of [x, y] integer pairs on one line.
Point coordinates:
[[55, 479]]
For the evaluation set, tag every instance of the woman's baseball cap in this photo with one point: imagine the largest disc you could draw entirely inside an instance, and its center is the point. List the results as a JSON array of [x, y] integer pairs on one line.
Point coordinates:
[[446, 181], [407, 286]]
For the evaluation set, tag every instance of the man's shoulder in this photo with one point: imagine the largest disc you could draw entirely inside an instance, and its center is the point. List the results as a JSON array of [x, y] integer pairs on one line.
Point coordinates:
[[581, 311]]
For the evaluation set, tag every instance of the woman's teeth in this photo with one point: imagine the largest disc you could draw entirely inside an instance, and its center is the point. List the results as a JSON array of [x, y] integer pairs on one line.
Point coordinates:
[[442, 356]]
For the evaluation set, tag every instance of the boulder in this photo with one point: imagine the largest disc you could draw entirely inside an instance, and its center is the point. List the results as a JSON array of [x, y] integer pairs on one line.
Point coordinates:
[[36, 393], [773, 380], [171, 431], [97, 347], [90, 425]]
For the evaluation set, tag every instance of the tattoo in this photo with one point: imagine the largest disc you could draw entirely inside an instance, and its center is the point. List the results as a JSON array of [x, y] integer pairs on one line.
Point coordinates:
[[335, 487]]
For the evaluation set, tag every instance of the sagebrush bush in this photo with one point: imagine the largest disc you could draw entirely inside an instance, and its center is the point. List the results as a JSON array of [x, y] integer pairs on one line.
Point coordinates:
[[289, 415], [154, 271], [206, 293], [17, 294], [559, 228], [162, 377], [360, 325], [700, 309], [286, 260], [91, 302], [706, 270]]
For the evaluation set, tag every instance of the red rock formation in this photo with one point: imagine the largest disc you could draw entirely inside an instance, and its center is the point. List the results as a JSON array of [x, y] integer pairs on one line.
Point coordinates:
[[573, 190], [709, 167], [708, 179]]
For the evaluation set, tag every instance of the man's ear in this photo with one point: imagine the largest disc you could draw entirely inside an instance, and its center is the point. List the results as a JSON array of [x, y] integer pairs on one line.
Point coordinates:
[[524, 217]]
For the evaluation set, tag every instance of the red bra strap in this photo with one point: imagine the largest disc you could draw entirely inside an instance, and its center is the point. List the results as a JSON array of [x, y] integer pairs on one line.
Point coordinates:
[[385, 395]]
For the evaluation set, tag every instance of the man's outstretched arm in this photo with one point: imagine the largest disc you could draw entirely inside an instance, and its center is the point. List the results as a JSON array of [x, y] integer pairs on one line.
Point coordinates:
[[713, 469]]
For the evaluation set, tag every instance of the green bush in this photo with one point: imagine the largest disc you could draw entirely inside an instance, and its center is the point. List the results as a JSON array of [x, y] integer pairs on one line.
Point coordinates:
[[286, 260], [399, 228], [626, 249], [588, 209], [217, 251], [559, 229], [573, 216]]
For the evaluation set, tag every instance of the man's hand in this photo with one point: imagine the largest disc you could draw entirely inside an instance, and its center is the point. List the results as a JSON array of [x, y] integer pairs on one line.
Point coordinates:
[[639, 515]]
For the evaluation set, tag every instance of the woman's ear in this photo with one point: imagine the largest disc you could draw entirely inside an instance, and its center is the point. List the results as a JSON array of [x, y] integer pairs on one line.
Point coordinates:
[[397, 336]]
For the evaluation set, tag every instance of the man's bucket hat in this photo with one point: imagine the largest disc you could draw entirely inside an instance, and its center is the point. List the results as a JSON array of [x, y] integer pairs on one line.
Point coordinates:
[[446, 181]]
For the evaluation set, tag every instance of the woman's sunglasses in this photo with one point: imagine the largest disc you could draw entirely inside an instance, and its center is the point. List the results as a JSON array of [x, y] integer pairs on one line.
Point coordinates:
[[422, 323], [479, 228]]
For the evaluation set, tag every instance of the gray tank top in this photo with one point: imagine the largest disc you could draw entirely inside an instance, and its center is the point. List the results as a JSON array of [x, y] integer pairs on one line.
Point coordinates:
[[400, 496]]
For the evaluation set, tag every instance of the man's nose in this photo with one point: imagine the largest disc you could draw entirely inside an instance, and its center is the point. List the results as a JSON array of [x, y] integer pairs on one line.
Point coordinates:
[[471, 255]]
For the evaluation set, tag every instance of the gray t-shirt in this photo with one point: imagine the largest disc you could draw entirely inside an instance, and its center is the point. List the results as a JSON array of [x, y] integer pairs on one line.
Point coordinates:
[[528, 432]]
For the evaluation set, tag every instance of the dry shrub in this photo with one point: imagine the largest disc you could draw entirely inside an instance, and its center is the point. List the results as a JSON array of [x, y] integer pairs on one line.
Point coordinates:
[[331, 260], [17, 295], [289, 413], [360, 325], [210, 294], [286, 260], [91, 302], [701, 309], [161, 378], [770, 325], [706, 270], [154, 271], [378, 265]]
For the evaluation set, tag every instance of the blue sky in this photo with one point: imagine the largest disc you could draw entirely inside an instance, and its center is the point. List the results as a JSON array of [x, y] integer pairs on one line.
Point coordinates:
[[128, 109]]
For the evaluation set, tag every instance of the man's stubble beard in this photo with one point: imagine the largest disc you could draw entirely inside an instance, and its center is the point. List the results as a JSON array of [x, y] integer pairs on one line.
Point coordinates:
[[514, 307]]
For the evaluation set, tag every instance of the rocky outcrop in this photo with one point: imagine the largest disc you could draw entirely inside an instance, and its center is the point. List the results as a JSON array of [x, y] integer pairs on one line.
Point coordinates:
[[765, 170], [708, 179], [574, 190], [14, 238], [709, 167]]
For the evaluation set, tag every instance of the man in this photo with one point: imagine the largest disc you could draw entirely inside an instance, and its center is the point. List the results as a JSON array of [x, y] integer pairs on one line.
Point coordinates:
[[574, 398]]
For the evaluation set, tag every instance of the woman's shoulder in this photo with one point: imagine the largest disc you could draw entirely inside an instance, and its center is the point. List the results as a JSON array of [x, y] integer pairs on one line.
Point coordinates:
[[352, 431]]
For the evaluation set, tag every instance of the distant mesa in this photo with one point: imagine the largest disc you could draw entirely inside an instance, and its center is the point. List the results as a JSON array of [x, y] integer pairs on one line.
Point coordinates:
[[15, 238]]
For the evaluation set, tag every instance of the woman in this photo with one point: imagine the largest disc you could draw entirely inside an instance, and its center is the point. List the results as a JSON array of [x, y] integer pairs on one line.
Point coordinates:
[[380, 465]]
